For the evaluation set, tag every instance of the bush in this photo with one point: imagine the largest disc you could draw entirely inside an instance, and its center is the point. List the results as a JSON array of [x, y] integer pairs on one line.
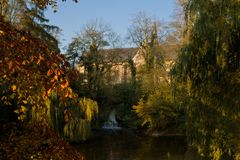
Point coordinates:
[[157, 111]]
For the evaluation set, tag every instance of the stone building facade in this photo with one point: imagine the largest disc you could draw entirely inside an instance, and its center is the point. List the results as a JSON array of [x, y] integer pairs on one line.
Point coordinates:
[[118, 63]]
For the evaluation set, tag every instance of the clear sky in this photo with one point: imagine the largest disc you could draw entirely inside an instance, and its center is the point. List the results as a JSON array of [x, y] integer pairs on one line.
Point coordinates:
[[71, 16]]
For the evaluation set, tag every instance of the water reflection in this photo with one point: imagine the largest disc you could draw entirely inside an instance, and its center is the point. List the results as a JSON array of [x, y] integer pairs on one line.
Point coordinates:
[[123, 145]]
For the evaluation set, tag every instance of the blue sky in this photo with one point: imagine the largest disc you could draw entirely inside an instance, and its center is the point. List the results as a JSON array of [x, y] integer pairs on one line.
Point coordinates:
[[71, 16]]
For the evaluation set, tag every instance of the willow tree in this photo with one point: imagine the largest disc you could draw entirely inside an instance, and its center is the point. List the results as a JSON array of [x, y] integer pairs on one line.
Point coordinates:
[[78, 127], [210, 65]]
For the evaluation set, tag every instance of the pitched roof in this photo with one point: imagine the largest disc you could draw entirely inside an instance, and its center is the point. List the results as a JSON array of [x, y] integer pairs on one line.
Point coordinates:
[[118, 55]]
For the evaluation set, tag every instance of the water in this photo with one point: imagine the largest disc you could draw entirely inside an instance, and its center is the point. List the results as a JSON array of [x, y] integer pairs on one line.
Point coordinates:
[[124, 145]]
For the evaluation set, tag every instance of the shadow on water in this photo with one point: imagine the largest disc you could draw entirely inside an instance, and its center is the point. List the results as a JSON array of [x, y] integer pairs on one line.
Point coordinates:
[[124, 145]]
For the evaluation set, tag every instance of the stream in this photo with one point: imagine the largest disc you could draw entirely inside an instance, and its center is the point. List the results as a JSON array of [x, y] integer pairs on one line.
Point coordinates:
[[125, 145]]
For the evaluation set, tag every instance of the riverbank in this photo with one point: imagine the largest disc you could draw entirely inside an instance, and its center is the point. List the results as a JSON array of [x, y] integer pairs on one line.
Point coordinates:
[[34, 142]]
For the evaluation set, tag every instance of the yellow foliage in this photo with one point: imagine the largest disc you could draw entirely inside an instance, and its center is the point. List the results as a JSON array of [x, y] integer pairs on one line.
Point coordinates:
[[24, 101], [23, 109], [216, 152], [78, 128], [156, 111], [237, 157], [89, 107]]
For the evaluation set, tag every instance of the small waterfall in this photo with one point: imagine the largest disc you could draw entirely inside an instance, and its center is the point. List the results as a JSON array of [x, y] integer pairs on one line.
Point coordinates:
[[111, 123]]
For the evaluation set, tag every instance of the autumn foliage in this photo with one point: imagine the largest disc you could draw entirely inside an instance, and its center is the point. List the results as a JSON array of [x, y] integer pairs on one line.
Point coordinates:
[[29, 71], [34, 142]]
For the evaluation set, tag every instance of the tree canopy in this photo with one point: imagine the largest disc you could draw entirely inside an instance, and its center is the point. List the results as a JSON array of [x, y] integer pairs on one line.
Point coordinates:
[[209, 66], [29, 70]]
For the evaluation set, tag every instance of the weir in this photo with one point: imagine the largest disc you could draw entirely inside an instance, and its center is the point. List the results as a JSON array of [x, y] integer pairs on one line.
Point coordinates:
[[112, 123]]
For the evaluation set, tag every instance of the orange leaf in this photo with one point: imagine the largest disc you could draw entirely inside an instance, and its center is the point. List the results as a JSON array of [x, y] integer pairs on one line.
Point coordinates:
[[52, 80], [23, 38], [55, 77], [41, 57], [38, 61], [66, 95], [49, 73], [57, 72], [49, 92], [14, 87], [70, 93], [64, 85], [2, 33], [31, 58], [10, 64]]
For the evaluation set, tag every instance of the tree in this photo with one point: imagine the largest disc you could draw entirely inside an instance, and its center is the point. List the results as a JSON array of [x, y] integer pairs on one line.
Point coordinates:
[[209, 66], [74, 51], [9, 10], [79, 127], [94, 37], [29, 16], [29, 71], [177, 27], [155, 109], [45, 3], [157, 112], [142, 29], [147, 34]]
